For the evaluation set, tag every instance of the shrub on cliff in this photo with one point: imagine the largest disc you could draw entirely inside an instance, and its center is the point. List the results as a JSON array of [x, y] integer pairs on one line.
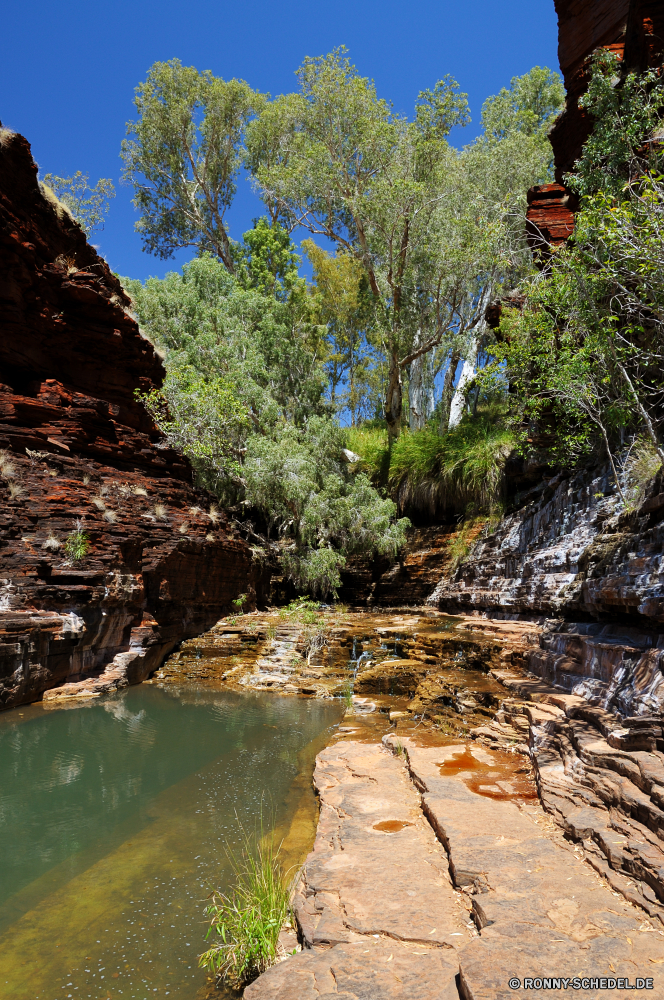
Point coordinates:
[[584, 356]]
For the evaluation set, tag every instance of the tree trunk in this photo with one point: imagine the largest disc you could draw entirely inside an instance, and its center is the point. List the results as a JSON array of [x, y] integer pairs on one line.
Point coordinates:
[[467, 374], [394, 398], [416, 391], [448, 386]]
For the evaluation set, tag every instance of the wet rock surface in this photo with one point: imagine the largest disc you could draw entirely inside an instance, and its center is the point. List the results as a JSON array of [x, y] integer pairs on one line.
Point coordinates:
[[591, 575], [423, 664], [599, 775], [375, 907], [80, 452]]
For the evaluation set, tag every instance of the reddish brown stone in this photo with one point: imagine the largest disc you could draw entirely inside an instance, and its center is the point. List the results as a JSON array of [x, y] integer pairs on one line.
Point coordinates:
[[550, 217], [71, 361], [633, 30]]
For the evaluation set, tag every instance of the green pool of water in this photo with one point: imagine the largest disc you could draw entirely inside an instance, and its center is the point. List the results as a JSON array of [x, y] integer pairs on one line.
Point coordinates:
[[114, 817]]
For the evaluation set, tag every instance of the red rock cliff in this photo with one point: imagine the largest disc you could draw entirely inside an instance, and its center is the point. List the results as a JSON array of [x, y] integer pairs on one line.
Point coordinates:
[[79, 452], [634, 30]]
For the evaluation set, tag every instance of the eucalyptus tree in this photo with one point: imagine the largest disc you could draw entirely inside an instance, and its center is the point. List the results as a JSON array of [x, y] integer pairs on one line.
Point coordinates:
[[511, 154], [183, 154], [336, 160], [88, 205]]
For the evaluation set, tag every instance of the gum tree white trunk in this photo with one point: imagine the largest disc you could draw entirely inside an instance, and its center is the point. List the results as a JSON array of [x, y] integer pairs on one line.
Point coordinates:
[[467, 374], [416, 391]]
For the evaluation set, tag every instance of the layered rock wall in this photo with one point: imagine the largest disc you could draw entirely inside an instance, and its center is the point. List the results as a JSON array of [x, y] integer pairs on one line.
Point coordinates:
[[81, 455], [634, 31], [593, 575]]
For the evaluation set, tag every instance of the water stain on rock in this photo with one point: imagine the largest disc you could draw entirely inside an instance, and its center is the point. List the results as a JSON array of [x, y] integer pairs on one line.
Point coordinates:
[[501, 778]]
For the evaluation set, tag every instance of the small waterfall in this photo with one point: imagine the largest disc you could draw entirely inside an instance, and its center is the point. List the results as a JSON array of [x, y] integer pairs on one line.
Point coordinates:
[[355, 662], [364, 656]]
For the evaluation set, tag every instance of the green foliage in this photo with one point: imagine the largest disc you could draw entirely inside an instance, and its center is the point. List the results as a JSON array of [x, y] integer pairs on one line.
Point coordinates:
[[530, 105], [88, 205], [183, 155], [243, 399], [205, 418], [461, 468], [322, 511], [584, 356], [261, 351], [267, 260], [428, 226], [240, 602], [246, 923], [77, 544], [302, 610], [625, 114]]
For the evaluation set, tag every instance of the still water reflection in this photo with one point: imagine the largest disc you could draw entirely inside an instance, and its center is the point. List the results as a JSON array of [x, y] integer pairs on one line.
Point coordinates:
[[113, 819]]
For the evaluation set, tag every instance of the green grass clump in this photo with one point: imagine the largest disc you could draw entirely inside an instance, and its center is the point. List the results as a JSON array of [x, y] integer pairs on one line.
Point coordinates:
[[428, 469], [77, 544], [246, 923], [642, 465], [347, 694], [303, 611]]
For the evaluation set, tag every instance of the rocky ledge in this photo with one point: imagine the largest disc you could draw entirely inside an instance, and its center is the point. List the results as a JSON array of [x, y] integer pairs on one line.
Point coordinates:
[[436, 875], [591, 575], [80, 456]]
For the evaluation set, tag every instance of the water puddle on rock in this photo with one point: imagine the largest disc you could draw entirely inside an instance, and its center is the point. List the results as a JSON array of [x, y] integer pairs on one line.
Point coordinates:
[[391, 826], [114, 815], [500, 775]]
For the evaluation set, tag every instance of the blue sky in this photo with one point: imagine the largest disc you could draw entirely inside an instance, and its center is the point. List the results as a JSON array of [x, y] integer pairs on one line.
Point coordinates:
[[68, 71]]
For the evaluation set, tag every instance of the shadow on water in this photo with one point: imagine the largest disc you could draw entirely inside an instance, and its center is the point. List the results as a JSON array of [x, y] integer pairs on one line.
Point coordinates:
[[113, 819]]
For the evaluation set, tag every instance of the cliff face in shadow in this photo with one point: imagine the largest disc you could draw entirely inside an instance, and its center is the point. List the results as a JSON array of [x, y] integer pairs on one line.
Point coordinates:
[[81, 454]]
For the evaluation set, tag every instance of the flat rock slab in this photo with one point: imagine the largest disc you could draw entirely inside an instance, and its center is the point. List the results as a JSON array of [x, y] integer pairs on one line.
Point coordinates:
[[365, 970], [378, 914], [541, 911]]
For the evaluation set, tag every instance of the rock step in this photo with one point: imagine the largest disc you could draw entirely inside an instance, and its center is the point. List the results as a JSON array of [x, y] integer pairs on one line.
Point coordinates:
[[116, 675], [384, 912], [598, 779], [540, 909], [375, 906]]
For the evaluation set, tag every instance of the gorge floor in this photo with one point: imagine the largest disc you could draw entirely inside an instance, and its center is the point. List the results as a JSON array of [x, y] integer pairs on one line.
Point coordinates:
[[450, 831]]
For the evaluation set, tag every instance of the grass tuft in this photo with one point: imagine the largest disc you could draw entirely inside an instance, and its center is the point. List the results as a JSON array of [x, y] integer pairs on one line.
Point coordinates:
[[434, 471], [140, 491], [7, 467], [77, 544], [641, 466], [160, 512], [247, 921], [110, 516], [214, 514], [51, 543], [15, 490]]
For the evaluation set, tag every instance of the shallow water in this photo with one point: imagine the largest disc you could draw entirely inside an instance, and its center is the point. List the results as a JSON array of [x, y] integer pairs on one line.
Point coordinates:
[[114, 814]]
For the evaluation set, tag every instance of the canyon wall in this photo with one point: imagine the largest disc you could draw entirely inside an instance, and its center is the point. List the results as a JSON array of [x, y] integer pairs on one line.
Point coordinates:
[[634, 31], [80, 456], [592, 574]]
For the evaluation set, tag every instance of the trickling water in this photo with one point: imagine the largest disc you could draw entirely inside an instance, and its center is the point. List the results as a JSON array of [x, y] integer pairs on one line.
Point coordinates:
[[114, 814]]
